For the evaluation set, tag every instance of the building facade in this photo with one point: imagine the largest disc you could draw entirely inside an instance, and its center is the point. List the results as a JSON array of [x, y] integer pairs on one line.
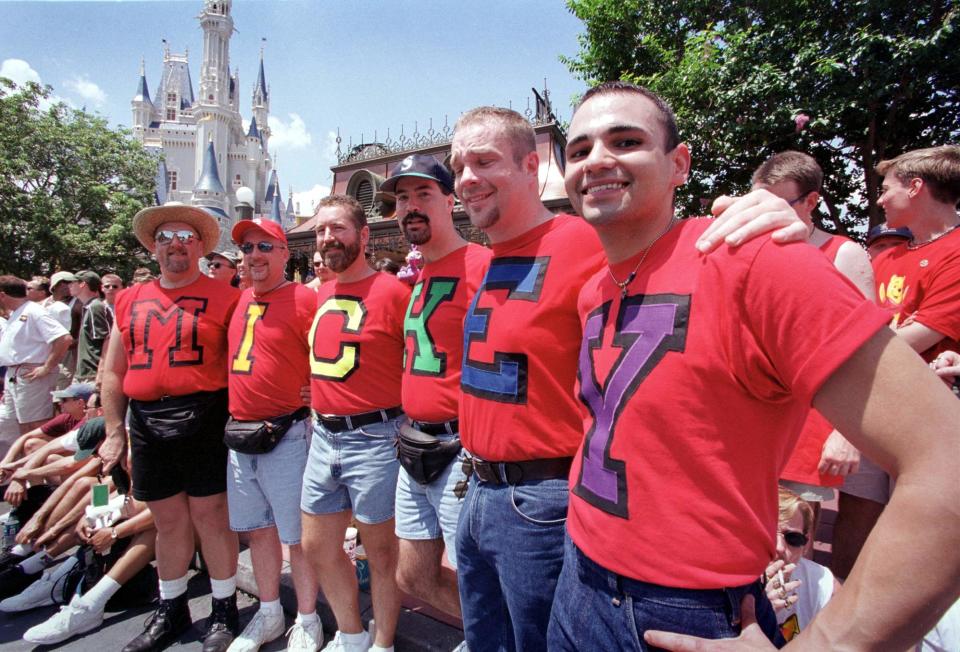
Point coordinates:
[[204, 152]]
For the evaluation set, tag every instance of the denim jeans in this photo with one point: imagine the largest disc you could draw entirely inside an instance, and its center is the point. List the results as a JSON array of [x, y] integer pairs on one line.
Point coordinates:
[[509, 555], [595, 609]]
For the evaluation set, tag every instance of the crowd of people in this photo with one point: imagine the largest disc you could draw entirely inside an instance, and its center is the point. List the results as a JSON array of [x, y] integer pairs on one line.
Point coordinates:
[[570, 440]]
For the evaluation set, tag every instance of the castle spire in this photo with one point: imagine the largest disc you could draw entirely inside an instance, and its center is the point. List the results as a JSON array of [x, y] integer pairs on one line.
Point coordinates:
[[261, 86], [143, 93], [210, 179]]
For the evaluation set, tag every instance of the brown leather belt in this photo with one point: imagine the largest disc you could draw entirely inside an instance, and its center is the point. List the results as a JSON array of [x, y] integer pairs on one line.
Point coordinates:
[[517, 472], [354, 421]]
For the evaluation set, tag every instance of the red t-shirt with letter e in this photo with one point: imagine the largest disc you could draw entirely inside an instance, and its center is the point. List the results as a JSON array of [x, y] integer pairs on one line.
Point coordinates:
[[521, 336]]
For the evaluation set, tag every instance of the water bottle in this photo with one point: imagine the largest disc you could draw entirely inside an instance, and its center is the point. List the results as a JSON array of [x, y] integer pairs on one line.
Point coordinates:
[[10, 528]]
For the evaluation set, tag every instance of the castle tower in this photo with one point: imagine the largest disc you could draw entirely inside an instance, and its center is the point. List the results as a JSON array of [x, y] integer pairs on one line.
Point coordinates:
[[140, 104], [261, 105], [217, 25]]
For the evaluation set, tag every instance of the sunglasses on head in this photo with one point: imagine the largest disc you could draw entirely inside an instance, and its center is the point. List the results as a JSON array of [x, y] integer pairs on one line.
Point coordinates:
[[263, 247], [795, 538], [165, 236]]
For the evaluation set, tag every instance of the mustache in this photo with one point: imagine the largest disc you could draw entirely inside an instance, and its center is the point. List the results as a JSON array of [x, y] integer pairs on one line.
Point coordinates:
[[415, 215], [332, 246]]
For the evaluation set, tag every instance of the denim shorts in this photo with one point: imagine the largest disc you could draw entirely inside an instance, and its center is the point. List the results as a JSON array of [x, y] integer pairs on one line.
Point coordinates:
[[264, 490], [432, 511], [352, 469], [595, 609]]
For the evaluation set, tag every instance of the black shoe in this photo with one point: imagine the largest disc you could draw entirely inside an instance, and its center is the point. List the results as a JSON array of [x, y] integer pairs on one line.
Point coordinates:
[[9, 559], [223, 625], [14, 580], [168, 622]]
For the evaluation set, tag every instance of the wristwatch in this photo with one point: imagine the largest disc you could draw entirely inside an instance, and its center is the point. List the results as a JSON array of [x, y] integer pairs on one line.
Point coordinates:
[[113, 533]]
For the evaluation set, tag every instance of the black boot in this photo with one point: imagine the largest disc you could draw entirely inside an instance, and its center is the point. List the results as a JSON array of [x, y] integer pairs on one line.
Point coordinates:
[[168, 622], [223, 624]]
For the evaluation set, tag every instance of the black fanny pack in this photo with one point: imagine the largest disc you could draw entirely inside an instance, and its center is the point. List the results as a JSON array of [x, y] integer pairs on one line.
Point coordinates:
[[177, 416], [424, 456], [258, 437]]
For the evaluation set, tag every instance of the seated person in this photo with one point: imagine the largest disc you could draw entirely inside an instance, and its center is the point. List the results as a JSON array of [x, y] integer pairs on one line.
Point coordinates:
[[127, 545], [50, 531], [797, 587], [72, 402]]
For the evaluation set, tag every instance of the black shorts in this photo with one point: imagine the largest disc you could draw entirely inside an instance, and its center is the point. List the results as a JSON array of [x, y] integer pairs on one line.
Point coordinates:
[[196, 464]]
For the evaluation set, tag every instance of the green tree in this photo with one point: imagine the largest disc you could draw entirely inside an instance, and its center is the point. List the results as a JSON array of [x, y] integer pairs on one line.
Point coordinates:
[[851, 82], [69, 187]]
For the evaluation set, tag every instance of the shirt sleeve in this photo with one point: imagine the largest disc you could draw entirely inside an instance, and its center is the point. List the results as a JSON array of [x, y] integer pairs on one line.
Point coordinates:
[[801, 320], [50, 329]]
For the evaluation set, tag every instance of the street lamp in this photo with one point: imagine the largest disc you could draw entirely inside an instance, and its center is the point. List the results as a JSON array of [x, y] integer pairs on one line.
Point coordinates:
[[244, 203]]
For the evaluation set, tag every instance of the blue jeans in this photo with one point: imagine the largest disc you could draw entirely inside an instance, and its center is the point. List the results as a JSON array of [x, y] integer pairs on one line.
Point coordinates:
[[509, 555], [599, 610]]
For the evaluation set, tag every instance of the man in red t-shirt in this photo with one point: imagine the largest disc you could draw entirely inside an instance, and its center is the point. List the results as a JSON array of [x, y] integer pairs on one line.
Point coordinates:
[[169, 361], [356, 359], [918, 280], [428, 507], [695, 375], [269, 364]]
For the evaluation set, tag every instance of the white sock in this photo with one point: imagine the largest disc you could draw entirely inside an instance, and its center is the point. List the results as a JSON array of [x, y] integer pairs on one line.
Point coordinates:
[[36, 563], [97, 597], [353, 638], [271, 608], [21, 549], [377, 648], [170, 589], [306, 619], [223, 588]]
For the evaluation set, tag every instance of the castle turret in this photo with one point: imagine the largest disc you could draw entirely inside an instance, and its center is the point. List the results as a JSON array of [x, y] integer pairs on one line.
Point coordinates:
[[140, 104], [261, 105], [217, 25]]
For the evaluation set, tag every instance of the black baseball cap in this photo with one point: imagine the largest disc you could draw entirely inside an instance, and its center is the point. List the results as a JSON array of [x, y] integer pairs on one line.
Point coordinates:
[[884, 231], [418, 165]]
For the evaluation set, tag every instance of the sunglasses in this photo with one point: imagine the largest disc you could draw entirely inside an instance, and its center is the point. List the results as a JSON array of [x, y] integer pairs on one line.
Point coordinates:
[[111, 287], [165, 236], [795, 538], [218, 265], [318, 264], [798, 199], [262, 247]]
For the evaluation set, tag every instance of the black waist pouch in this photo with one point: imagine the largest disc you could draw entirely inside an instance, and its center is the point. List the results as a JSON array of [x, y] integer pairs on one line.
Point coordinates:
[[258, 437], [425, 456], [175, 417]]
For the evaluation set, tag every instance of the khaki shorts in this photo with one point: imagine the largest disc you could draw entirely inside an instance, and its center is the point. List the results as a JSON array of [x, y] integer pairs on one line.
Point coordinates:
[[28, 401]]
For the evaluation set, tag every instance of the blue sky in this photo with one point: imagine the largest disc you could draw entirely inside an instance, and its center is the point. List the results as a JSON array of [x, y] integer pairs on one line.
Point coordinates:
[[360, 66]]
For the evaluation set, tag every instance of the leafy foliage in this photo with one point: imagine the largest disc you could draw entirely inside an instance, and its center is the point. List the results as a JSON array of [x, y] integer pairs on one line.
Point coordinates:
[[850, 82], [69, 187]]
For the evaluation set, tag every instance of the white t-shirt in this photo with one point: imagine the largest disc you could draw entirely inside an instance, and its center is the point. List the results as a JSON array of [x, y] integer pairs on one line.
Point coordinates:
[[945, 637], [814, 593], [61, 311], [28, 334]]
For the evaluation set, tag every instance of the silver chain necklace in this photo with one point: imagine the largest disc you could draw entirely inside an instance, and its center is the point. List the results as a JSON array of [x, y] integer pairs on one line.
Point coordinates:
[[624, 284]]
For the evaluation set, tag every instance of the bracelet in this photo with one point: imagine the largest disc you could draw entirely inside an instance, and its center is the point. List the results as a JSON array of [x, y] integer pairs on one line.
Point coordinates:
[[113, 533]]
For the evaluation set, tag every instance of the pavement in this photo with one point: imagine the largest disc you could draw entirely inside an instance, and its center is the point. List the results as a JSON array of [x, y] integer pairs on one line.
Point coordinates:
[[417, 631]]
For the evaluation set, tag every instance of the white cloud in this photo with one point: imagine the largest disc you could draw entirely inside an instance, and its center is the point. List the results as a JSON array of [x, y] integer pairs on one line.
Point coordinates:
[[88, 90], [19, 71], [306, 201], [289, 135]]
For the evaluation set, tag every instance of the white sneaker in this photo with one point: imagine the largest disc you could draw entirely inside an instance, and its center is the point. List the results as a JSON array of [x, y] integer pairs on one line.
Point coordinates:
[[338, 644], [41, 592], [305, 637], [261, 629], [72, 619]]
